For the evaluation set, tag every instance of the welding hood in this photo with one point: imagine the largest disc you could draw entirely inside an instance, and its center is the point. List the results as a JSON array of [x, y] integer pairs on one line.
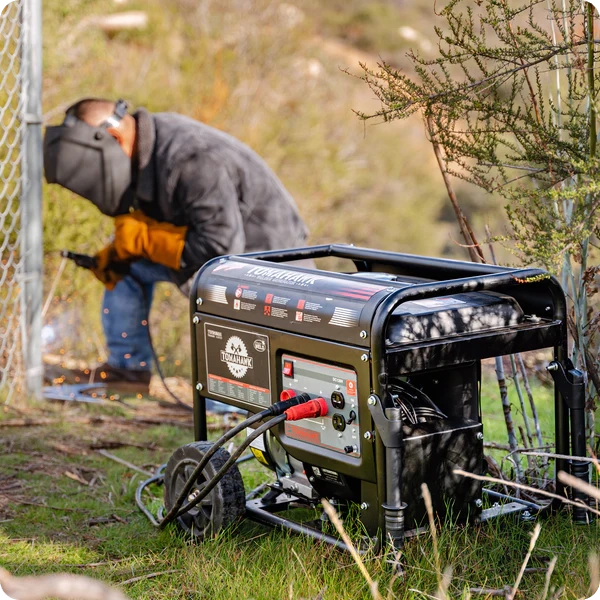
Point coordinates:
[[89, 162]]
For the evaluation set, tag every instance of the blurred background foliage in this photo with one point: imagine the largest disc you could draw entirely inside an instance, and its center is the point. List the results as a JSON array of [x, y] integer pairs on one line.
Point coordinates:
[[272, 74]]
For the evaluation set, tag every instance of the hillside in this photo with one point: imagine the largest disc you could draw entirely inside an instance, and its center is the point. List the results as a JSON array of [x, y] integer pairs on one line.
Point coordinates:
[[272, 74]]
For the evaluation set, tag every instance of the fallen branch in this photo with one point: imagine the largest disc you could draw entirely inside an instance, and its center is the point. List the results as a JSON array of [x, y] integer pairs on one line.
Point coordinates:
[[114, 444], [149, 576], [97, 419], [40, 505], [62, 586], [503, 592], [123, 462]]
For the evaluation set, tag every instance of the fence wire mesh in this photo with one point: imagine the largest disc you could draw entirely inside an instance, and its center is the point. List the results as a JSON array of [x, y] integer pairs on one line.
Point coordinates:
[[12, 132]]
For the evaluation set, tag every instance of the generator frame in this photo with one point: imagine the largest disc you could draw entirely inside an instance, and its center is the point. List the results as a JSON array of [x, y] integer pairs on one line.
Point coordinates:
[[535, 290]]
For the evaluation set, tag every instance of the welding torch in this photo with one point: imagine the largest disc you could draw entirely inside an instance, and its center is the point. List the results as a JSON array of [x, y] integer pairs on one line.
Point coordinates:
[[90, 262]]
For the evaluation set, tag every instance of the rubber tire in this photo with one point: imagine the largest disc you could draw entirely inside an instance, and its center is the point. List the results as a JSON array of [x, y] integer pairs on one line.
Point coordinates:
[[225, 504]]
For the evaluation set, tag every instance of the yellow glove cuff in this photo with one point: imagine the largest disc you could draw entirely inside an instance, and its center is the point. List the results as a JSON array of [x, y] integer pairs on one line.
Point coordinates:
[[139, 236]]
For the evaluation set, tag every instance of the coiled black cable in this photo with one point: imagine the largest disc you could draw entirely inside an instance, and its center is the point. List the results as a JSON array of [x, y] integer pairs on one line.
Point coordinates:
[[172, 515], [202, 464]]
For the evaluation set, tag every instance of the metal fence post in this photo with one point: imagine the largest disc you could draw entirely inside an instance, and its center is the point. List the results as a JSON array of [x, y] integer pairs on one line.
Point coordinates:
[[31, 199]]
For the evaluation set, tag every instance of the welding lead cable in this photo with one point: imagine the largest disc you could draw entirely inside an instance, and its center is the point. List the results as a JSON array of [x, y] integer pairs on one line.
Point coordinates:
[[313, 408], [172, 514], [274, 410], [159, 479]]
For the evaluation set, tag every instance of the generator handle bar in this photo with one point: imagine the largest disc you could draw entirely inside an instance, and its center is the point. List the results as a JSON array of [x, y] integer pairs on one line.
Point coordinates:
[[413, 265]]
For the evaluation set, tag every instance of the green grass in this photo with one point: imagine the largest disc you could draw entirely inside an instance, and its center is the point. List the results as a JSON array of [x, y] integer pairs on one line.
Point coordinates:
[[85, 525]]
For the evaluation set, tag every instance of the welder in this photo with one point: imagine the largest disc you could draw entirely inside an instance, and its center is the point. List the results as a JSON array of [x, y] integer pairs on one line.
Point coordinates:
[[181, 193]]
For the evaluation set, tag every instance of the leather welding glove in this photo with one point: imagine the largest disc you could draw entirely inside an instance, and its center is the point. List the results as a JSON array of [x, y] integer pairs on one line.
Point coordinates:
[[138, 236], [108, 277]]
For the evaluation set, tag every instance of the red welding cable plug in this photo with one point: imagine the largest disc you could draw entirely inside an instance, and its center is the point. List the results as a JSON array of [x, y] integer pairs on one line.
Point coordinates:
[[308, 410]]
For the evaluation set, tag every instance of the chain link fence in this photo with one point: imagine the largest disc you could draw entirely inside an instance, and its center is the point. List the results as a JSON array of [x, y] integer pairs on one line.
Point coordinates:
[[20, 206]]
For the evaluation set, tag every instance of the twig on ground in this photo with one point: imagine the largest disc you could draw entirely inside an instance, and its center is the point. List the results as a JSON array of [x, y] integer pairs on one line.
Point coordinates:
[[534, 537], [123, 462], [97, 419], [114, 444], [337, 523], [97, 564], [504, 592], [149, 576], [39, 504], [76, 478], [62, 586]]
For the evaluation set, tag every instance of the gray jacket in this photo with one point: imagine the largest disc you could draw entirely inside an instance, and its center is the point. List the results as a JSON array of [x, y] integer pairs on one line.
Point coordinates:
[[194, 175]]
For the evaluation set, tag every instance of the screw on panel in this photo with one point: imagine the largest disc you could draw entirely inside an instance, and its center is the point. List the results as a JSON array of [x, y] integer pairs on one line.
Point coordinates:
[[199, 301], [364, 357], [372, 401], [368, 435], [199, 387], [363, 334], [553, 366], [364, 506], [480, 436], [478, 503]]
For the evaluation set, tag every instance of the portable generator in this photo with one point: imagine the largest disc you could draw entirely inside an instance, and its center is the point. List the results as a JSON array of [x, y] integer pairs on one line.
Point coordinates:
[[391, 354]]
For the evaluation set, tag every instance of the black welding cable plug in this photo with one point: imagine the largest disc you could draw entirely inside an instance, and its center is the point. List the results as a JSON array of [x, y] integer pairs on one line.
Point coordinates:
[[289, 399]]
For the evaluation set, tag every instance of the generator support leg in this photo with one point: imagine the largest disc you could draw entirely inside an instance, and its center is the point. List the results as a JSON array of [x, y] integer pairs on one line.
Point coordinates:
[[389, 429], [570, 384], [200, 428]]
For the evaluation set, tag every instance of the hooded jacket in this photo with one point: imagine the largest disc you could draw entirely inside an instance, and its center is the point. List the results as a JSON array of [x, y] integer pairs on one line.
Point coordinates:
[[190, 174]]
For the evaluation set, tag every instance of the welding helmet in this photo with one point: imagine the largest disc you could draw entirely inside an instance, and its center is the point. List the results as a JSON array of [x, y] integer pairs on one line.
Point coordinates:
[[90, 162]]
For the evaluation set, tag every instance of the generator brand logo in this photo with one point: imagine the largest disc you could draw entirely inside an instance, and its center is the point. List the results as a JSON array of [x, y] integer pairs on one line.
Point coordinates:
[[4, 4], [235, 356], [270, 274]]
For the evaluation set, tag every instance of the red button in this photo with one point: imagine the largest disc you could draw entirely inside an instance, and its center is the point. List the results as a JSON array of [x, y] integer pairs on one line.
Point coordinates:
[[288, 368]]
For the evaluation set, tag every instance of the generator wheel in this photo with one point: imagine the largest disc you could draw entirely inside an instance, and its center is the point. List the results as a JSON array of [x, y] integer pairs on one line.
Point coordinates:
[[224, 504]]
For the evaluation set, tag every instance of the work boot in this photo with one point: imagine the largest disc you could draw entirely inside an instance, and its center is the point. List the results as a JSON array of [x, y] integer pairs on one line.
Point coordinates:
[[115, 378]]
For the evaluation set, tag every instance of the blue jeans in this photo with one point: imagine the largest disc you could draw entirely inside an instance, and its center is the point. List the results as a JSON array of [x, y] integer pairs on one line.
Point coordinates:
[[125, 312]]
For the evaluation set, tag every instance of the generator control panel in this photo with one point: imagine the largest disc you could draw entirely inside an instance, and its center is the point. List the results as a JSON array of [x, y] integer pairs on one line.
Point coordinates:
[[339, 430]]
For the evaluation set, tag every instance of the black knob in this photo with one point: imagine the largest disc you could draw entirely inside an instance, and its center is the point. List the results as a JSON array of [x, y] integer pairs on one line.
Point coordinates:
[[348, 449], [351, 417]]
